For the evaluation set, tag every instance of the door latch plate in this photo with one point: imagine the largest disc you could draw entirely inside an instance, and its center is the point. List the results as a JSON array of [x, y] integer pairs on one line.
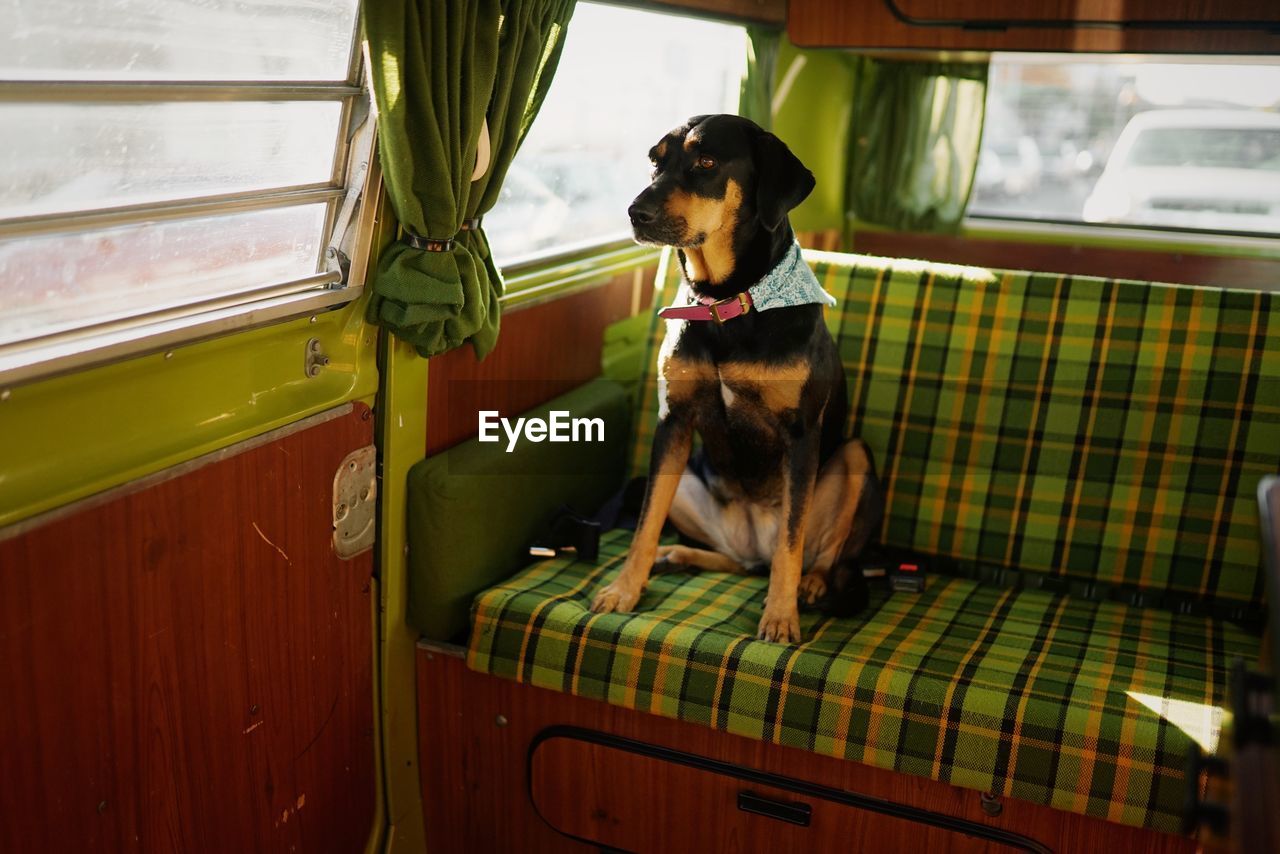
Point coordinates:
[[355, 499]]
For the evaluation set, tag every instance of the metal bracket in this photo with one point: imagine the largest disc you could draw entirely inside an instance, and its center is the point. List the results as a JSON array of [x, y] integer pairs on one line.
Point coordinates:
[[337, 261], [355, 499], [315, 359]]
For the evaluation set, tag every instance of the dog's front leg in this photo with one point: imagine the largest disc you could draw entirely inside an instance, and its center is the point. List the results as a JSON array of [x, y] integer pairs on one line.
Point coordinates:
[[672, 439], [781, 619]]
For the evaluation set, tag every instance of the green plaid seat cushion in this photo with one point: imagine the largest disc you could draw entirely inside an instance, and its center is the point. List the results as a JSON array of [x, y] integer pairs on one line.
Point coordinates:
[[1080, 705]]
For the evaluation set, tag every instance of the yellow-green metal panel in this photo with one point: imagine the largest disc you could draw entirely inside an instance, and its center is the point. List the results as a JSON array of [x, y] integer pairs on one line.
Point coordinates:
[[402, 436], [812, 105], [72, 436]]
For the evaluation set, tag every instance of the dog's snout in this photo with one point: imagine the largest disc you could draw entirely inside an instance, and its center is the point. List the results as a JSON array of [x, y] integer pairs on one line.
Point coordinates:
[[642, 212]]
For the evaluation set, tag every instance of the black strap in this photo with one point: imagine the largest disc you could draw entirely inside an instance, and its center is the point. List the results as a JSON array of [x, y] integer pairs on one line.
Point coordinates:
[[432, 244]]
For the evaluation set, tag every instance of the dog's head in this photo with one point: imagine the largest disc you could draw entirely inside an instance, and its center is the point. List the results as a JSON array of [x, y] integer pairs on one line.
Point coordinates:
[[716, 177]]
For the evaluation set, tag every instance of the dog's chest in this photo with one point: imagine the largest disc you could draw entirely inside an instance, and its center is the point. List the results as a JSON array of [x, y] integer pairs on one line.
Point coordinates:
[[737, 396]]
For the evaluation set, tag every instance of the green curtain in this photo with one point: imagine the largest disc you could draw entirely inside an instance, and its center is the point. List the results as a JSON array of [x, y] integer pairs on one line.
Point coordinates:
[[755, 100], [439, 68], [914, 139]]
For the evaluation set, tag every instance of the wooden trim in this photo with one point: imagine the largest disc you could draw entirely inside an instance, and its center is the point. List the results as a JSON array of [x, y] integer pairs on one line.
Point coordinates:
[[754, 11], [1222, 271], [872, 24], [476, 732], [709, 788]]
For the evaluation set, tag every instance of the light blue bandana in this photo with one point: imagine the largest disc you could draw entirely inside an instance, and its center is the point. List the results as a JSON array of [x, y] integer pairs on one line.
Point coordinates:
[[789, 283]]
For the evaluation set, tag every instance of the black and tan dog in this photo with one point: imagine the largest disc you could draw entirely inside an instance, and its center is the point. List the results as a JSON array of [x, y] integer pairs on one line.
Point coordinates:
[[775, 483]]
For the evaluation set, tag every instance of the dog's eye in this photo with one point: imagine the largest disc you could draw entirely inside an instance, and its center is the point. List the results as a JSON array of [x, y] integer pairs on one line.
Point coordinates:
[[705, 162]]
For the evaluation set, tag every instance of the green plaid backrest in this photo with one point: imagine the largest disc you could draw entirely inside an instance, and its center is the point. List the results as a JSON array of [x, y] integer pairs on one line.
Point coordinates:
[[1106, 431]]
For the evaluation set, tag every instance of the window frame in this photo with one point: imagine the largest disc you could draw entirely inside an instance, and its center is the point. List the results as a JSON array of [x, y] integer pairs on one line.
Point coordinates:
[[1122, 235], [570, 269], [558, 271], [354, 185]]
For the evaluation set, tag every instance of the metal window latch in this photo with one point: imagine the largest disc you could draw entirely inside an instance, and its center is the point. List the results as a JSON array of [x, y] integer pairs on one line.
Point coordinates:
[[355, 499]]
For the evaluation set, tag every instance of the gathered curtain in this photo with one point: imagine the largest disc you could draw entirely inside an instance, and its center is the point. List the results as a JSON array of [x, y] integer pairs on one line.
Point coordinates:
[[755, 98], [457, 83], [915, 132]]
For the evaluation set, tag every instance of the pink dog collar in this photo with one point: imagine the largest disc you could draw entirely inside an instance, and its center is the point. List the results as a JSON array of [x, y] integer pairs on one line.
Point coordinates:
[[714, 310]]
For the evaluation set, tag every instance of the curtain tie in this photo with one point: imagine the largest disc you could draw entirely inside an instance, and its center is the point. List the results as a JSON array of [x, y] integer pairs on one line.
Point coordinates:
[[431, 244]]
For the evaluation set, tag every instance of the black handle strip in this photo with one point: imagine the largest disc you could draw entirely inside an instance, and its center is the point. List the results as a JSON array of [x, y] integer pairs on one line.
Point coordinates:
[[793, 812]]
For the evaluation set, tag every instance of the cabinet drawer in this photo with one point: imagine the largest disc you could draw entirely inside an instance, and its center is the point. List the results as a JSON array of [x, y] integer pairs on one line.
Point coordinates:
[[632, 796]]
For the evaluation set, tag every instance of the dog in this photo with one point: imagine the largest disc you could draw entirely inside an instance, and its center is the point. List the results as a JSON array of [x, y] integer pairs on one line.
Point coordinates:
[[750, 367]]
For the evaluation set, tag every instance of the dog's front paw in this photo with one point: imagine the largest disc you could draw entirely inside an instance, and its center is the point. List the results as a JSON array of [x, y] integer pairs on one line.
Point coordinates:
[[615, 598], [780, 625]]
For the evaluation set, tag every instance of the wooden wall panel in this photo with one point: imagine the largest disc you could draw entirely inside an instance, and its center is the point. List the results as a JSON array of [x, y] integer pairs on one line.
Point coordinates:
[[763, 11], [871, 24], [476, 731], [542, 352], [668, 806], [1175, 267], [189, 667]]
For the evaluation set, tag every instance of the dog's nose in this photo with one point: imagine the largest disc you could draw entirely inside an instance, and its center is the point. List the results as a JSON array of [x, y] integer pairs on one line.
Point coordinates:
[[642, 214]]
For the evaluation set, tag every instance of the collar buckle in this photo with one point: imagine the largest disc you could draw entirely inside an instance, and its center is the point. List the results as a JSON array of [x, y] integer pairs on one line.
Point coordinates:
[[743, 301]]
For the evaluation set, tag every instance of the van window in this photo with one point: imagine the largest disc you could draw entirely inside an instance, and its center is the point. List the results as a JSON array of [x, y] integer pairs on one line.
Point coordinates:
[[625, 78], [1173, 142], [161, 155]]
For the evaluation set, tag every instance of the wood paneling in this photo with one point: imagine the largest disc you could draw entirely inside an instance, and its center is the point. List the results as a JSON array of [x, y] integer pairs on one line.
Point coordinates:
[[763, 11], [871, 24], [1112, 11], [476, 731], [667, 806], [189, 667], [543, 351], [1175, 267]]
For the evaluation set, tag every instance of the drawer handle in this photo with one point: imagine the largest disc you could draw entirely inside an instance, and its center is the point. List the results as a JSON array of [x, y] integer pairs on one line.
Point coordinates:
[[793, 812]]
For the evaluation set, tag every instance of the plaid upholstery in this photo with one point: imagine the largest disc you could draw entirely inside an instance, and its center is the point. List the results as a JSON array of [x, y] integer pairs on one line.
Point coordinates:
[[1054, 441], [1038, 696], [1082, 428]]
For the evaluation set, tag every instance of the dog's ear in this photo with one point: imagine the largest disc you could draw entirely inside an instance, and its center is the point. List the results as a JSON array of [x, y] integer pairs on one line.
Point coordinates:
[[782, 181]]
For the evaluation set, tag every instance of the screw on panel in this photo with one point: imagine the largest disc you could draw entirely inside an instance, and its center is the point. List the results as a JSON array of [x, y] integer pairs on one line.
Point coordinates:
[[991, 804], [500, 720]]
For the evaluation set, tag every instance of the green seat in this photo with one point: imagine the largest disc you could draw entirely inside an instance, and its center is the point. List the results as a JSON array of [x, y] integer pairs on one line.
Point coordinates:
[[1078, 455], [1080, 705]]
